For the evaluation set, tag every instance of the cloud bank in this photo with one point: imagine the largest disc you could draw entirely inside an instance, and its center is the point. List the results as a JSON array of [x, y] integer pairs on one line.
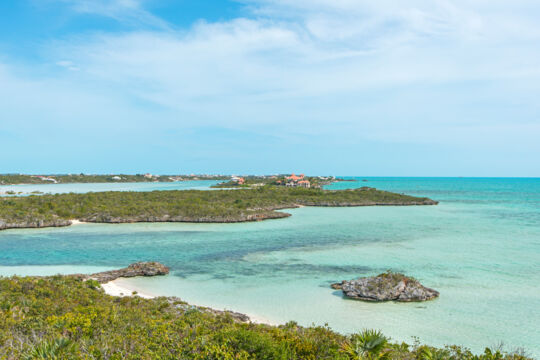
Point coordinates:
[[387, 88]]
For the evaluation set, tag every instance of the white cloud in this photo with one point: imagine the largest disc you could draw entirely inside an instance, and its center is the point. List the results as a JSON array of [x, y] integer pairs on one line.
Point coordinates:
[[316, 48], [68, 65], [127, 11], [420, 71]]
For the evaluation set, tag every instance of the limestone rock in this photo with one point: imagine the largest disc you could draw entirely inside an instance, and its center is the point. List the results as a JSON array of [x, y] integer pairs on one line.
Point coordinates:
[[386, 287], [137, 269]]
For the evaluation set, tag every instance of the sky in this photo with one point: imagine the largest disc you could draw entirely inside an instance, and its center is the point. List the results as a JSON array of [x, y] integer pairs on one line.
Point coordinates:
[[325, 87]]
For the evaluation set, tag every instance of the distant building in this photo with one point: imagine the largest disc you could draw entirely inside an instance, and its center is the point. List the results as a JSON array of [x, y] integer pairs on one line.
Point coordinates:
[[44, 178], [295, 181], [116, 178], [295, 178]]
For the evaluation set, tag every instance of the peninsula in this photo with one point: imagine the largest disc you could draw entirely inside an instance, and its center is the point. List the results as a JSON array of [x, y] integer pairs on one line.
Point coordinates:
[[219, 206], [71, 317]]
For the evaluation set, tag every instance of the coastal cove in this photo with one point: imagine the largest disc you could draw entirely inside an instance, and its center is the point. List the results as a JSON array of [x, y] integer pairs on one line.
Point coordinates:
[[479, 247]]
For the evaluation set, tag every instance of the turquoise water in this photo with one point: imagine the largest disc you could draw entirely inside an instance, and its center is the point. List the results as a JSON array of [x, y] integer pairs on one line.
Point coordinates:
[[480, 247], [26, 189]]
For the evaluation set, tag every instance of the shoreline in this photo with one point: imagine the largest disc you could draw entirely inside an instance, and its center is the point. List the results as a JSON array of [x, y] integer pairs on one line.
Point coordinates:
[[273, 214], [223, 206], [75, 222], [112, 288], [118, 288]]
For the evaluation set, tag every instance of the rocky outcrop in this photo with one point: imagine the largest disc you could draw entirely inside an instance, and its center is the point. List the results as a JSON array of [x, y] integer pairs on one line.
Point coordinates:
[[386, 287], [138, 269], [30, 224], [107, 219], [166, 218], [367, 203], [182, 307]]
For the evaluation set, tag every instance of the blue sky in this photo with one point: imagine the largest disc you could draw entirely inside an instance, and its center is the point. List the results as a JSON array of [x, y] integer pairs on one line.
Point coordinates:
[[416, 88]]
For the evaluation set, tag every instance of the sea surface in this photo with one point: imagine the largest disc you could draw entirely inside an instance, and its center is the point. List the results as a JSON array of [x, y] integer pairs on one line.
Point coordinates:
[[480, 247]]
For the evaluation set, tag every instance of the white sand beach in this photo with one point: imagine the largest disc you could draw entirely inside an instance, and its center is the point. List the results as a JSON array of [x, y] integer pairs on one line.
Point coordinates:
[[77, 222], [119, 288], [114, 289]]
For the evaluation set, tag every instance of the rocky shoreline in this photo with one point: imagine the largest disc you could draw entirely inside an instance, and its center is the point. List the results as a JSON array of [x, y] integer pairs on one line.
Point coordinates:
[[103, 219], [209, 219], [271, 214], [388, 286], [153, 268], [183, 306], [357, 204], [185, 206], [34, 224]]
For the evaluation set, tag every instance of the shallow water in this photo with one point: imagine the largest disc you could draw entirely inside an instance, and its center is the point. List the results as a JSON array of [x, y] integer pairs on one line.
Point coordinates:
[[480, 248], [27, 189]]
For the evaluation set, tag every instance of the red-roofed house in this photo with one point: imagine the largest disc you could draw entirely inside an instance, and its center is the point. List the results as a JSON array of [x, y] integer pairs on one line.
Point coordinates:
[[295, 178]]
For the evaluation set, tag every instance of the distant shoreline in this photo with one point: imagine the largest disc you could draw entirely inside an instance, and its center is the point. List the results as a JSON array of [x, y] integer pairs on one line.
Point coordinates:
[[51, 179], [189, 206]]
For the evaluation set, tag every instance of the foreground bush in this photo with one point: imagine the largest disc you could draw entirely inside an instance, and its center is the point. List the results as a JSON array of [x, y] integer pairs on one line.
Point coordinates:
[[66, 318]]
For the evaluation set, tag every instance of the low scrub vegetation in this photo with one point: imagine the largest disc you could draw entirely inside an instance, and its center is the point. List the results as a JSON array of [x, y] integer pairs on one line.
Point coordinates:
[[11, 179], [187, 205], [64, 317]]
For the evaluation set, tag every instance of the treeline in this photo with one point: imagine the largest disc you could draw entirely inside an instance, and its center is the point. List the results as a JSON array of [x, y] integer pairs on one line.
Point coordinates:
[[67, 318], [188, 205]]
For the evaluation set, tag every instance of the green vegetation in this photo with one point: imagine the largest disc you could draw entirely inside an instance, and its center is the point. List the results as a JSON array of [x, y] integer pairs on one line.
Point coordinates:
[[64, 317], [11, 179], [394, 278], [186, 206], [255, 181]]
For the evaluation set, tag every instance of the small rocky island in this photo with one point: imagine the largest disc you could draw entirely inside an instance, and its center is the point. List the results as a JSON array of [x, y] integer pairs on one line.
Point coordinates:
[[388, 286], [150, 268]]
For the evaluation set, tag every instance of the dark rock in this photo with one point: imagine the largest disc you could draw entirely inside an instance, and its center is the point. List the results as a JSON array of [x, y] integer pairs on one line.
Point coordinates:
[[182, 307], [30, 224], [102, 218], [386, 287], [138, 269]]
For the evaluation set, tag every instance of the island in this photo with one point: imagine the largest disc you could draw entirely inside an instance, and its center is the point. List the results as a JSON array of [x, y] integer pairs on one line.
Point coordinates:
[[17, 179], [287, 180], [388, 286], [197, 206], [71, 317]]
